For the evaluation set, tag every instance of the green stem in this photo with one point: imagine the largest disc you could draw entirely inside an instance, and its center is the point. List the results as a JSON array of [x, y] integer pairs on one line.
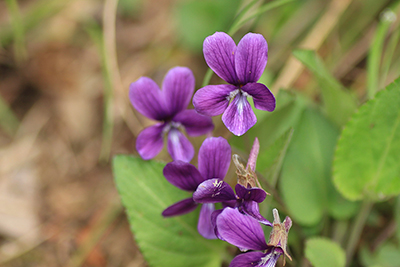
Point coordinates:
[[18, 30], [375, 54], [356, 231], [339, 231]]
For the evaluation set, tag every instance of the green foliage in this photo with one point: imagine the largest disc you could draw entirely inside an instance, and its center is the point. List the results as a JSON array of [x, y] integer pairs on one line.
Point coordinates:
[[376, 52], [322, 252], [270, 160], [339, 104], [145, 193], [367, 159], [198, 19], [306, 173], [387, 255], [271, 126]]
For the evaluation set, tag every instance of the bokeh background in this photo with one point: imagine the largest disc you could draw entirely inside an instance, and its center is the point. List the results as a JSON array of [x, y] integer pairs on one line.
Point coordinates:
[[65, 70]]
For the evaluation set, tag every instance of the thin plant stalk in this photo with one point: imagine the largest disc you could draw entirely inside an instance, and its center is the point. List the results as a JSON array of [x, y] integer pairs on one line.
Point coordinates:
[[356, 230], [375, 56], [97, 37], [388, 56]]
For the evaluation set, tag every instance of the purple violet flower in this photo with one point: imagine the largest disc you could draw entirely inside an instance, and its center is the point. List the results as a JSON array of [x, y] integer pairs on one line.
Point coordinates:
[[241, 66], [247, 234], [168, 106], [213, 161], [248, 190]]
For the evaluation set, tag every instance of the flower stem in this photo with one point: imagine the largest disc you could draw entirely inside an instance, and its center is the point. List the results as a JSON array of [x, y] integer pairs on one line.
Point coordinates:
[[358, 226]]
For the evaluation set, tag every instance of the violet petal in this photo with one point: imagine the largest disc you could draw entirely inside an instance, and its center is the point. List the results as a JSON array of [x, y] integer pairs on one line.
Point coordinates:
[[214, 157], [205, 226], [179, 147], [255, 259], [150, 141], [255, 194], [146, 97], [214, 216], [251, 57], [219, 53], [239, 117], [240, 230], [195, 124], [182, 207], [183, 175], [212, 100], [251, 208], [262, 97], [178, 88], [213, 191]]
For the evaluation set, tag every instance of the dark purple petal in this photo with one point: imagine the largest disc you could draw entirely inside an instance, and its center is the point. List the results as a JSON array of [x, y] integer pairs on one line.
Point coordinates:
[[178, 88], [262, 97], [214, 216], [255, 259], [205, 226], [212, 100], [146, 97], [240, 230], [150, 141], [179, 146], [214, 158], [213, 191], [183, 175], [179, 208], [251, 58], [194, 123], [255, 194], [251, 208], [239, 117], [219, 53]]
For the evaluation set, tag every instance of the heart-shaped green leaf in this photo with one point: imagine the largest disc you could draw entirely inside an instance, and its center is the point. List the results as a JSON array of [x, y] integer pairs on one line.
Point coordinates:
[[322, 252], [145, 193], [367, 159], [306, 173]]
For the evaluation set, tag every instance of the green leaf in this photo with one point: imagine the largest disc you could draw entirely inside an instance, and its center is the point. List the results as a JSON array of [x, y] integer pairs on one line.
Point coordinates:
[[387, 255], [270, 159], [367, 158], [339, 104], [145, 193], [305, 181], [322, 252]]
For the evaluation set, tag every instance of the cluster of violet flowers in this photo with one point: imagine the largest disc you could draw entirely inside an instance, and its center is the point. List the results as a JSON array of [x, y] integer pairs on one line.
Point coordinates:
[[239, 221]]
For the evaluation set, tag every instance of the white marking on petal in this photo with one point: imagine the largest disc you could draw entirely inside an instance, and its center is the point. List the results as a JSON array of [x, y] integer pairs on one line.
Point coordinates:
[[232, 94], [240, 103]]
